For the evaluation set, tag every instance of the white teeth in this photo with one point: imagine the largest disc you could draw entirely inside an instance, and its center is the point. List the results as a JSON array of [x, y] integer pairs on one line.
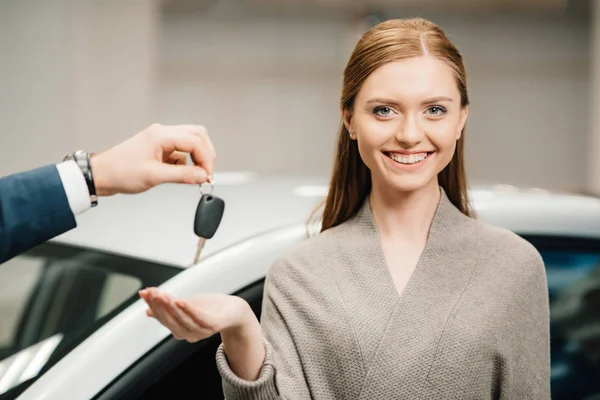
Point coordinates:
[[413, 158]]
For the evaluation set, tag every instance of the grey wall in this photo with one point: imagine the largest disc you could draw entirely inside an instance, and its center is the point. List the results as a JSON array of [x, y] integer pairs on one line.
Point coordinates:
[[267, 88], [266, 85], [73, 74]]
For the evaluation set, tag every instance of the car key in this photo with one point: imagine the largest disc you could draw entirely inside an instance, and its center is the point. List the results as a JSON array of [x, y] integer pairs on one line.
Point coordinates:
[[208, 217]]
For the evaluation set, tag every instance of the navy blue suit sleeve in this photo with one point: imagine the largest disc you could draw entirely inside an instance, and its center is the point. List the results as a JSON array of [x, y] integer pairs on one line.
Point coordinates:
[[33, 208]]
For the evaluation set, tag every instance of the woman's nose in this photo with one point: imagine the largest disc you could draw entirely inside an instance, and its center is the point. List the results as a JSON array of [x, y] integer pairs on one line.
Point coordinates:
[[409, 133]]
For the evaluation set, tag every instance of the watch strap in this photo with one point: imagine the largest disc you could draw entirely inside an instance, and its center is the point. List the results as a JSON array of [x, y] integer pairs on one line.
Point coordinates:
[[82, 158]]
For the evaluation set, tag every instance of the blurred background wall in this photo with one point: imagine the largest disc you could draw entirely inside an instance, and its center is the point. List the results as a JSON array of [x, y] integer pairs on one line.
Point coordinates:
[[264, 77]]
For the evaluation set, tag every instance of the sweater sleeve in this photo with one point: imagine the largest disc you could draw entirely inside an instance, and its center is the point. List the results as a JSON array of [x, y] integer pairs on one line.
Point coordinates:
[[526, 369], [281, 376]]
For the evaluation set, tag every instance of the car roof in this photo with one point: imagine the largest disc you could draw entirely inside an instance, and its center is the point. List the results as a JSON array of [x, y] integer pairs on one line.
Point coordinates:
[[537, 211], [158, 225]]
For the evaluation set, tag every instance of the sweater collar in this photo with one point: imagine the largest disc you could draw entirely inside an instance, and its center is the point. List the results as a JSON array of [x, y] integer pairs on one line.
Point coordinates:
[[446, 218]]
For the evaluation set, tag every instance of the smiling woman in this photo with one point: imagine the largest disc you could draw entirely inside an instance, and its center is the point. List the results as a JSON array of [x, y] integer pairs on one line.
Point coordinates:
[[403, 294], [405, 106]]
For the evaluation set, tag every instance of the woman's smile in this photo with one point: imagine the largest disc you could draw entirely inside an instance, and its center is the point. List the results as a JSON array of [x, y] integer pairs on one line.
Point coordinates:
[[408, 161]]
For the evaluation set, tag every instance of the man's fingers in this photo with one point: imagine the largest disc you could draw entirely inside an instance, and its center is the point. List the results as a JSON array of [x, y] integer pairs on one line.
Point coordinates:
[[190, 174], [202, 133], [176, 158], [176, 138]]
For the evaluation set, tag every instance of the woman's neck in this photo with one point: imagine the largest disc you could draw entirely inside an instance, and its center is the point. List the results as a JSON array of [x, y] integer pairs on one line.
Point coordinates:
[[404, 215]]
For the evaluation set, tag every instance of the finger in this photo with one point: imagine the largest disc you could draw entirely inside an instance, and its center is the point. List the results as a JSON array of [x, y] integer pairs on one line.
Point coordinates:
[[201, 131], [152, 306], [176, 138], [182, 318], [176, 158], [145, 293], [190, 174], [164, 317], [193, 314]]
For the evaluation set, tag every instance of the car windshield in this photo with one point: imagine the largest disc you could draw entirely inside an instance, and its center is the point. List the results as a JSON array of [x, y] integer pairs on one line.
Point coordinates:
[[55, 296]]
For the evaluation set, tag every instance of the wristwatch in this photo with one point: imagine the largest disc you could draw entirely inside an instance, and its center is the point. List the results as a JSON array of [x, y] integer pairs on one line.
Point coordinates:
[[82, 158]]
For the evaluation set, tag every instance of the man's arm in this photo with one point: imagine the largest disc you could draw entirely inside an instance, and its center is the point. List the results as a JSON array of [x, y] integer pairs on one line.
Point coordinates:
[[33, 208], [40, 204]]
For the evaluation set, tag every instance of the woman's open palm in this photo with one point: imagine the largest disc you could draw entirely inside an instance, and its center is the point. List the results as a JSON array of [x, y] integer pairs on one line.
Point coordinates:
[[196, 318]]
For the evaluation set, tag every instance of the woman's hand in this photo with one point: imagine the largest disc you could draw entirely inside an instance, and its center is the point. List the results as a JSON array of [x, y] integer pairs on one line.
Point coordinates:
[[198, 318], [207, 314]]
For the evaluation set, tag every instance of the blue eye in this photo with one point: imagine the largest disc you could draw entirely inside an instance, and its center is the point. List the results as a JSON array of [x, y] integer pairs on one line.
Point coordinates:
[[382, 111], [436, 110]]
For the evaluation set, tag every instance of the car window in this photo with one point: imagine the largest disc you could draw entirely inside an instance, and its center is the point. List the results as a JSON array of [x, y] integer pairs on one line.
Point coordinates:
[[18, 278], [53, 297], [573, 273]]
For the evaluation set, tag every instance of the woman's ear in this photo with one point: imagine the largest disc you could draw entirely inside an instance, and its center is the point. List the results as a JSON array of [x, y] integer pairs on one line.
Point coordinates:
[[464, 114], [347, 117]]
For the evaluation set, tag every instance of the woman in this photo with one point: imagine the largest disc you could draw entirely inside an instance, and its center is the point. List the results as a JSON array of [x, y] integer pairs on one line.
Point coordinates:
[[403, 294]]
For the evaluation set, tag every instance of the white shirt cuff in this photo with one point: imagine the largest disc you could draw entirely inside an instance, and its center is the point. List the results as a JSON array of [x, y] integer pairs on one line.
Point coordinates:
[[75, 186]]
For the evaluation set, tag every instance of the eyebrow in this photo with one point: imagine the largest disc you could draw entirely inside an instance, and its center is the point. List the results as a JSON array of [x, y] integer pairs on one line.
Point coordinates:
[[425, 102]]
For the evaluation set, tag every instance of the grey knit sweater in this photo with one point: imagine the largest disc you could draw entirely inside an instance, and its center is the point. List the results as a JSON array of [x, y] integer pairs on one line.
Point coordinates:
[[472, 322]]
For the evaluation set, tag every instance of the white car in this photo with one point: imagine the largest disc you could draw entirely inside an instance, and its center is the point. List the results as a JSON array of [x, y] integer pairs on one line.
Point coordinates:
[[73, 327]]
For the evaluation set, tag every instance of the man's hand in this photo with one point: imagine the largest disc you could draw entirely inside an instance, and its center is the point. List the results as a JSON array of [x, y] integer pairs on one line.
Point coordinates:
[[154, 156]]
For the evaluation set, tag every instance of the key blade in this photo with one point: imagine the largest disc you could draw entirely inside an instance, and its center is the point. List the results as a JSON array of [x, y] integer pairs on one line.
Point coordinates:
[[201, 242]]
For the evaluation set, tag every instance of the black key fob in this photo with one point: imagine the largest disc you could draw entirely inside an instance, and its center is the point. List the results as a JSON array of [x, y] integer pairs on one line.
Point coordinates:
[[208, 215]]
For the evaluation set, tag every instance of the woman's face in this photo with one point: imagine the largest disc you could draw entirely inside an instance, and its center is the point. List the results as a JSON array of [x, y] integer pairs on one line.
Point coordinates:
[[407, 118]]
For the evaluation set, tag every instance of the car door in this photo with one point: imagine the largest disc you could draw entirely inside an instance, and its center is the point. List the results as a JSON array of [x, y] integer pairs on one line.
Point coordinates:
[[573, 273], [53, 297], [104, 361], [178, 369]]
